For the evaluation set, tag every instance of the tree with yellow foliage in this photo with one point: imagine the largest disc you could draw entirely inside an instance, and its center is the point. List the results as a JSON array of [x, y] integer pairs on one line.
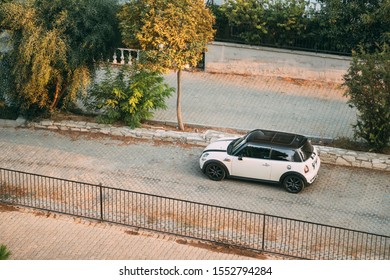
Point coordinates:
[[54, 49], [173, 34]]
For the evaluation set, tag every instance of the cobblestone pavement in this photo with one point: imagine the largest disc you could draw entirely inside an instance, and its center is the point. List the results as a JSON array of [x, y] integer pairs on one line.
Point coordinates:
[[248, 102], [347, 197], [34, 235]]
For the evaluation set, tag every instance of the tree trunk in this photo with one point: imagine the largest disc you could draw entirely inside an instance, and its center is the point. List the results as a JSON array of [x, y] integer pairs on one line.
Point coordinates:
[[56, 97], [178, 103]]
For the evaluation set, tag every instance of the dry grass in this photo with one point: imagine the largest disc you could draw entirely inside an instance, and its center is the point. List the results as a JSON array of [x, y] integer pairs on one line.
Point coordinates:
[[7, 208]]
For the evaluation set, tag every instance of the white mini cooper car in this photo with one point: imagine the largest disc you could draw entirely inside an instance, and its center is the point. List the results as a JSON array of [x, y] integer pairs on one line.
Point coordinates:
[[264, 155]]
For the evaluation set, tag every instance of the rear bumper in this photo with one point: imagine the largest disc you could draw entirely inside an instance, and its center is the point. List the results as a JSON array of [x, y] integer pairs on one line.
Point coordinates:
[[312, 180]]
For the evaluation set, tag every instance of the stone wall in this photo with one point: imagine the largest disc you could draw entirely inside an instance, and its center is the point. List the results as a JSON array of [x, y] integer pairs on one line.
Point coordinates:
[[328, 154], [251, 60]]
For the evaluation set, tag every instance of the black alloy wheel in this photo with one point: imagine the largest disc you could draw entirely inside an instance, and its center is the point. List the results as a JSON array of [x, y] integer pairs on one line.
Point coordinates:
[[215, 171], [293, 183]]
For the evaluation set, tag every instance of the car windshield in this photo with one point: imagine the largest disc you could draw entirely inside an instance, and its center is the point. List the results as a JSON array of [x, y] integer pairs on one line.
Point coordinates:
[[235, 145]]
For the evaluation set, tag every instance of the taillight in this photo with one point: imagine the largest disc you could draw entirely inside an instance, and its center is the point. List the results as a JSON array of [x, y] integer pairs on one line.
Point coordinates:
[[306, 169]]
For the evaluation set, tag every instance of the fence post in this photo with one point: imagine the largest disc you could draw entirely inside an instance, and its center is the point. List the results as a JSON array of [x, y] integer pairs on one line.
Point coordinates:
[[263, 240], [101, 201]]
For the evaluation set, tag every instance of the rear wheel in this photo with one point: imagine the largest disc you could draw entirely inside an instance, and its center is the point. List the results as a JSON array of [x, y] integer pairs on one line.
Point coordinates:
[[293, 183], [215, 171]]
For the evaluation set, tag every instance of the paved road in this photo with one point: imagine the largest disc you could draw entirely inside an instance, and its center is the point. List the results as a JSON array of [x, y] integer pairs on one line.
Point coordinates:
[[249, 102], [347, 197]]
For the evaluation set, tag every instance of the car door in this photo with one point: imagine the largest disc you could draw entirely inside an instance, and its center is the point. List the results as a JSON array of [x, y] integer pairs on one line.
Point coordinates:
[[252, 162]]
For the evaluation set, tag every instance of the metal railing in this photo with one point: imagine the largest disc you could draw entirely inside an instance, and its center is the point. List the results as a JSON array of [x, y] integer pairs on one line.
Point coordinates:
[[233, 227]]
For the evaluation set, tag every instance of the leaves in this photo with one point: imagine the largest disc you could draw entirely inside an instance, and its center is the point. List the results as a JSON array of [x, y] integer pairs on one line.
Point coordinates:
[[131, 95], [56, 45], [174, 33], [368, 82], [350, 24], [4, 252], [256, 20], [337, 26]]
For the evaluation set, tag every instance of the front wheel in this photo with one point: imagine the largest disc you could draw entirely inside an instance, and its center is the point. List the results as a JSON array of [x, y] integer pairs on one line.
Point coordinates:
[[293, 184], [215, 171]]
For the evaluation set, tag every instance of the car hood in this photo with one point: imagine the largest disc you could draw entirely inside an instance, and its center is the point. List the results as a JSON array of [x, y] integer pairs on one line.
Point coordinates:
[[218, 146]]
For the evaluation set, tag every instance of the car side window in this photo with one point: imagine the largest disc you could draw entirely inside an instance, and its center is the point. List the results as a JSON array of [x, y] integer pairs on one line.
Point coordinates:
[[255, 152], [282, 155]]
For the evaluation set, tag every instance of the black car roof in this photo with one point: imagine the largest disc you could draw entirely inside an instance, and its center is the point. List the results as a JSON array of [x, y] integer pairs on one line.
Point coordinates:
[[260, 136]]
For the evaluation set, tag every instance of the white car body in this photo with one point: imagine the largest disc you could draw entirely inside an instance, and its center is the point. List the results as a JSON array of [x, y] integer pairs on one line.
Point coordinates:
[[270, 168]]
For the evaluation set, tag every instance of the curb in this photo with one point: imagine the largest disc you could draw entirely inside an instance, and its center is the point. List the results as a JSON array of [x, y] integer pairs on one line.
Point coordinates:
[[330, 155]]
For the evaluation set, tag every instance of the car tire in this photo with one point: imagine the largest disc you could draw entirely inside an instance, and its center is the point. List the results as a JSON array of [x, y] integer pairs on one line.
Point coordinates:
[[215, 171], [293, 183]]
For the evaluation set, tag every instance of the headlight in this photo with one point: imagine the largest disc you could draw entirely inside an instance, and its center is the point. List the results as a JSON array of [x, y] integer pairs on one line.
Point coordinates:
[[204, 156]]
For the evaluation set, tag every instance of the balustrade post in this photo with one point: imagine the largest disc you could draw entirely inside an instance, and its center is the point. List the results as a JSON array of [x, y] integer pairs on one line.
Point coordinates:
[[130, 58], [114, 61], [122, 56]]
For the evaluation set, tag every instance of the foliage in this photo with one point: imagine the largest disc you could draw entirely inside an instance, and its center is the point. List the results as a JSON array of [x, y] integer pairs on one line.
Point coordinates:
[[4, 252], [286, 20], [174, 33], [349, 24], [55, 46], [368, 82], [129, 95], [338, 26], [258, 21], [221, 22], [248, 17]]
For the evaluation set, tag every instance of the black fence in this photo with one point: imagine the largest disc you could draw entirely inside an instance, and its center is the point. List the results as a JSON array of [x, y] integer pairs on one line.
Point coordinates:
[[296, 44], [244, 229]]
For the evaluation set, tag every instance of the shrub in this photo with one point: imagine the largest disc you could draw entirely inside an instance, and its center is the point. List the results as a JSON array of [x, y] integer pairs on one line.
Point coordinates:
[[130, 95], [4, 253], [368, 82]]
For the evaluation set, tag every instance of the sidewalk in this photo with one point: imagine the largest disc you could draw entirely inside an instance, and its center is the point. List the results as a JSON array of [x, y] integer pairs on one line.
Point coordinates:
[[36, 235]]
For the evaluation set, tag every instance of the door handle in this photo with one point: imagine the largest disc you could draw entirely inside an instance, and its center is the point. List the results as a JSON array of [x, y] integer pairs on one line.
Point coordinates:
[[266, 164]]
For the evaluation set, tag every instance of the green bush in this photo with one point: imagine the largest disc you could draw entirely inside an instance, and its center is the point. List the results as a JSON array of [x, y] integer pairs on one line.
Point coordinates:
[[130, 95], [338, 26], [4, 253], [6, 112], [368, 82]]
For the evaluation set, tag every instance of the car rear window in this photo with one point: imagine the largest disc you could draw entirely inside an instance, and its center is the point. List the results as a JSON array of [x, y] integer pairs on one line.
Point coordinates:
[[306, 151]]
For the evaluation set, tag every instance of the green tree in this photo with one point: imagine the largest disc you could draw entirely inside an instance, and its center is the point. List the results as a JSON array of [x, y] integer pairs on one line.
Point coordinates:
[[368, 82], [4, 253], [172, 33], [129, 94], [247, 17], [277, 22], [286, 21], [345, 25], [55, 47]]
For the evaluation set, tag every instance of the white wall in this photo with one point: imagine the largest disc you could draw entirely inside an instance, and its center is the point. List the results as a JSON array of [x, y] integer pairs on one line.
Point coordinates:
[[250, 60]]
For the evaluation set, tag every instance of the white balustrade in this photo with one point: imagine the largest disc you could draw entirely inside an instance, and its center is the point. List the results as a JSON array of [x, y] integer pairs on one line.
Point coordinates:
[[126, 56]]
